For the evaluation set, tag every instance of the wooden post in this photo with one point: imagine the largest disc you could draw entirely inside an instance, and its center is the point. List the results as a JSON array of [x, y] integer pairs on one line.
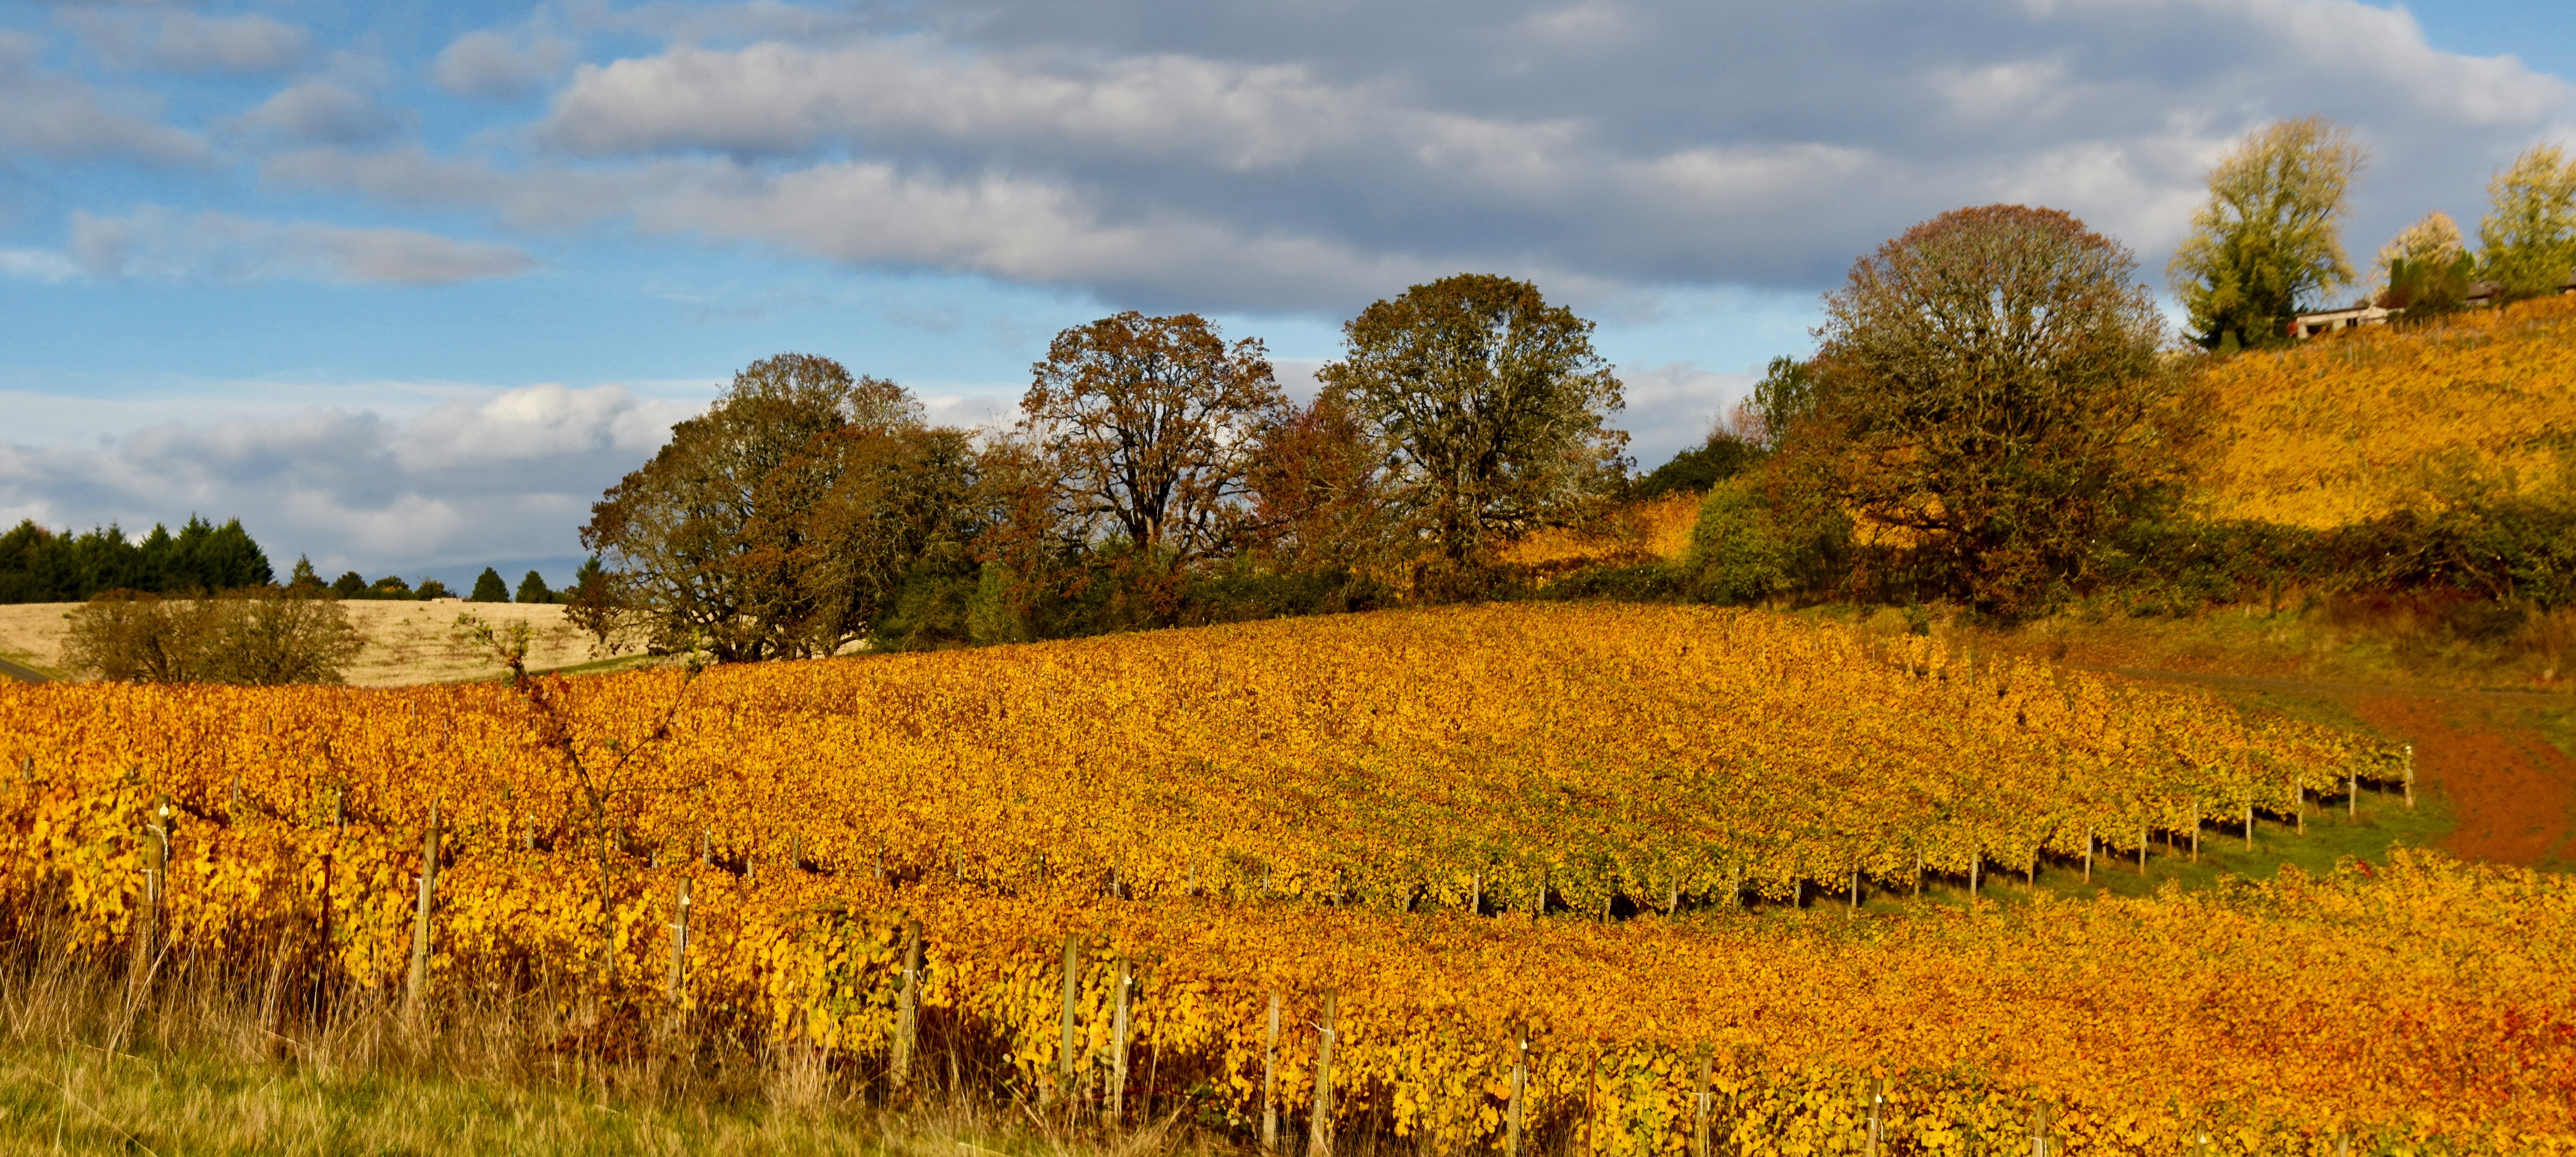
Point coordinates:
[[706, 847], [1707, 1092], [907, 1007], [1918, 874], [2299, 804], [1319, 1128], [2195, 831], [1877, 1130], [1976, 868], [2249, 825], [156, 873], [1855, 894], [1072, 990], [1476, 896], [1118, 1030], [419, 982], [2352, 793], [1270, 1080], [2142, 849], [2039, 1131], [679, 945], [2410, 775], [1520, 1090]]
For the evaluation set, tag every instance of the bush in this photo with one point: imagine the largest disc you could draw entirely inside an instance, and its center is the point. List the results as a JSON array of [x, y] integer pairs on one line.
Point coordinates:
[[262, 637], [1735, 555]]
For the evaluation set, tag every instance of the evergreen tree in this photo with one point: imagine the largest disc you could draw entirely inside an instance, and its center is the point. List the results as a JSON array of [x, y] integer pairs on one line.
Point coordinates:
[[350, 586], [533, 589], [488, 588]]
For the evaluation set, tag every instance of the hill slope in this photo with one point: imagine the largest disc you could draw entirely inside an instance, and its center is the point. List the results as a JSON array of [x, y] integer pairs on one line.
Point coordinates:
[[2357, 426]]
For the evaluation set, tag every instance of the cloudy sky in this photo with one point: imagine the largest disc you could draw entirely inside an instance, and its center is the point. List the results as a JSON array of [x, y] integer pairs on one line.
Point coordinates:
[[404, 285]]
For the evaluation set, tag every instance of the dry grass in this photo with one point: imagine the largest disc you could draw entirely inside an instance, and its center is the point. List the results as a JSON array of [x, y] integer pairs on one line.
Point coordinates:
[[407, 642], [199, 1061]]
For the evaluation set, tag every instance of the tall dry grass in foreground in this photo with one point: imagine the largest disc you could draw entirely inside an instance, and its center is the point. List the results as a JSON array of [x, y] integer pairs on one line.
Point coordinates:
[[182, 1055]]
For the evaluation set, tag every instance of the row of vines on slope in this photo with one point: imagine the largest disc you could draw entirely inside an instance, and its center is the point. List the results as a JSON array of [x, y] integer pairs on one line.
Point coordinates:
[[2425, 1001], [1498, 757]]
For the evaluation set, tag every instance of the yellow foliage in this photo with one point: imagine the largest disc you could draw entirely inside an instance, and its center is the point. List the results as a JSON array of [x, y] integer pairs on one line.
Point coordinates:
[[2356, 426], [1145, 794], [1655, 530]]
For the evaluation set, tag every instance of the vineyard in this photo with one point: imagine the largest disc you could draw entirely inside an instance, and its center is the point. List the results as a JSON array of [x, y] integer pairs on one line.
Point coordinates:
[[2355, 427], [1427, 837]]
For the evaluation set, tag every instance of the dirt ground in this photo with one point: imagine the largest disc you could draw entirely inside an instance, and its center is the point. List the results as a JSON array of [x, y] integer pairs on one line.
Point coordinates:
[[407, 642]]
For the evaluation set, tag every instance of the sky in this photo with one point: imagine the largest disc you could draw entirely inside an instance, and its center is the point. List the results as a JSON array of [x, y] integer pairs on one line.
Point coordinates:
[[405, 285]]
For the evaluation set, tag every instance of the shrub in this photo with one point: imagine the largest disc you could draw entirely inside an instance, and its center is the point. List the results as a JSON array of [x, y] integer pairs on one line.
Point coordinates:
[[262, 637]]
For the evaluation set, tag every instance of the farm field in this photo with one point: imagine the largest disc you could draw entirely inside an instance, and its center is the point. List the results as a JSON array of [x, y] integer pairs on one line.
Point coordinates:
[[1401, 813], [2363, 424], [407, 642]]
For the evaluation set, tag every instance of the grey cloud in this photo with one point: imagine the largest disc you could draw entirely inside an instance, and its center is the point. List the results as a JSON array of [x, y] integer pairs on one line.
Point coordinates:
[[510, 476], [157, 244], [323, 111], [48, 114], [177, 40], [1307, 157], [491, 66]]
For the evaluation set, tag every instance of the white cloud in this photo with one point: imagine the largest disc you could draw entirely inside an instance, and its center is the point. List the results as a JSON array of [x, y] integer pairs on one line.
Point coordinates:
[[507, 476], [491, 66], [1672, 407], [41, 265], [177, 40], [51, 115], [158, 244]]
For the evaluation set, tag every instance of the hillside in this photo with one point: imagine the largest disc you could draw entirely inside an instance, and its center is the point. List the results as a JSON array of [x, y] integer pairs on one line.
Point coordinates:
[[2352, 427], [407, 642], [1623, 834]]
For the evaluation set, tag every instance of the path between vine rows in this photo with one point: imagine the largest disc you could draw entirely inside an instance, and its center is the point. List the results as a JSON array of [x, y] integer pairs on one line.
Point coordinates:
[[2512, 793]]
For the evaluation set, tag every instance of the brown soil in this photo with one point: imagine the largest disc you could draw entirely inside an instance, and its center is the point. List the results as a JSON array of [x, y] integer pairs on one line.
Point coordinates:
[[2511, 793], [2514, 795]]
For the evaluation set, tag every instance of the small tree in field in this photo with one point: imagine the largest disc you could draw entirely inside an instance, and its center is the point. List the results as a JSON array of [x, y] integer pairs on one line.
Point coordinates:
[[1490, 403], [488, 588], [2271, 236], [1989, 394], [533, 589]]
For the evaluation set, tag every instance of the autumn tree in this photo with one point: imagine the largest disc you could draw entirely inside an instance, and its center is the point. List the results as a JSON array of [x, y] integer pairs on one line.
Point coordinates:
[[1989, 397], [1149, 423], [2271, 235], [779, 523], [1490, 405], [260, 636], [2527, 241], [2425, 269], [1319, 486]]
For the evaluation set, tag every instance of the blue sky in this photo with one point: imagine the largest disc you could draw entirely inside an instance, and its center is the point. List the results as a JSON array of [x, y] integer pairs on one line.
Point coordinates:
[[404, 286]]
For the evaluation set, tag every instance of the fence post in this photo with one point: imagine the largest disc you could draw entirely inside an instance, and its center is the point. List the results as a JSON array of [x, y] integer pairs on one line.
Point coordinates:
[[1707, 1083], [679, 945], [2142, 849], [1877, 1128], [1855, 892], [1118, 1029], [2088, 854], [1270, 1080], [2249, 825], [2299, 804], [1520, 1090], [1064, 1023], [419, 983], [1319, 1128], [2410, 775], [156, 873], [907, 1006]]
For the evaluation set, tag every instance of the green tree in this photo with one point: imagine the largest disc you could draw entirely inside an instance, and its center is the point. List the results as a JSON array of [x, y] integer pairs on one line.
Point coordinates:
[[2527, 240], [1489, 404], [488, 588], [429, 589], [350, 585], [1784, 397], [593, 605], [780, 522], [1990, 400], [533, 589], [2425, 270], [304, 580], [1149, 422], [2271, 236]]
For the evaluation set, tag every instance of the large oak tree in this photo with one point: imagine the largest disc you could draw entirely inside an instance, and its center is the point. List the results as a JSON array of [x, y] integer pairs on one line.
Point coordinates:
[[1490, 404], [781, 522], [1991, 401]]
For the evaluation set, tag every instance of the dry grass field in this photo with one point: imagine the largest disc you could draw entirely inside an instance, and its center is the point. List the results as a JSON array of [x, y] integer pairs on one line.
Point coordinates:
[[407, 642]]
